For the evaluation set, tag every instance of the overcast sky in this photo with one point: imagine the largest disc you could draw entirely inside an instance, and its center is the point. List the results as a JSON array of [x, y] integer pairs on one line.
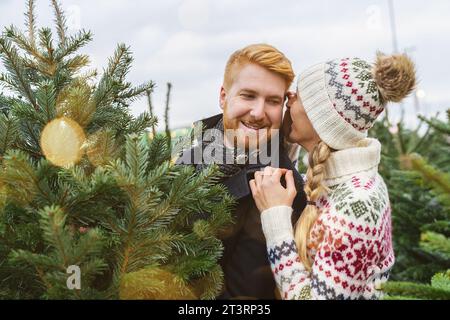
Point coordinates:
[[188, 42]]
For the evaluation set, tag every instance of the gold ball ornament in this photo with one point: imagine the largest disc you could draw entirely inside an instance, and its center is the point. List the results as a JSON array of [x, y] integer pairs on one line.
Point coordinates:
[[154, 283], [62, 142]]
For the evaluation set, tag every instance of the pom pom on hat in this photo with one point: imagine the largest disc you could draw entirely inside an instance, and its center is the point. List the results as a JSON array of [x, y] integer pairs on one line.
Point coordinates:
[[394, 76]]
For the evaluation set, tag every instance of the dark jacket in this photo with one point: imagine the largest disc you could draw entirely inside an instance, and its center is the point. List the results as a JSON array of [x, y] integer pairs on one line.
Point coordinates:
[[245, 262]]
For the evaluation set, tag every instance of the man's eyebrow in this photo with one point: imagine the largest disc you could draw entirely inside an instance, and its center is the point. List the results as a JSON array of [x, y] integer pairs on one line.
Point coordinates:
[[275, 97], [248, 90]]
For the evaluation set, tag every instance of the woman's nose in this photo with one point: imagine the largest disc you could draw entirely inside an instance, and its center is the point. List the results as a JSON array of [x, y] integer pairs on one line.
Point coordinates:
[[291, 94], [291, 99]]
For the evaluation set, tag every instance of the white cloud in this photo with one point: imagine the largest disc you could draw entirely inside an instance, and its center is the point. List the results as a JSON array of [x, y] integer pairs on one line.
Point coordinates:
[[187, 42], [194, 14]]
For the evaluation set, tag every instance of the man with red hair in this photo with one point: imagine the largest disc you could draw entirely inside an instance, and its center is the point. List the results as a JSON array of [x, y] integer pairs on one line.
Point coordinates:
[[252, 97]]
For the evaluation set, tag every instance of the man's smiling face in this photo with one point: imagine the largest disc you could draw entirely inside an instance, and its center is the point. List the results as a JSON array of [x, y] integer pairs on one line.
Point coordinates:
[[253, 104]]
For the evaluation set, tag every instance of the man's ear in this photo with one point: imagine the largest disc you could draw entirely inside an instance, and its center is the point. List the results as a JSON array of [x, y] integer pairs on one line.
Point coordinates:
[[223, 97]]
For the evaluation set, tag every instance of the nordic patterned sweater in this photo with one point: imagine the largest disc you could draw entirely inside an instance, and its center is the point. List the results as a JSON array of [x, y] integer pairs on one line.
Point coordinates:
[[350, 242]]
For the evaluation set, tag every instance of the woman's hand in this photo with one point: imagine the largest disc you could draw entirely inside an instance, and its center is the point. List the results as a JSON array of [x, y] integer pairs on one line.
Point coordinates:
[[268, 191]]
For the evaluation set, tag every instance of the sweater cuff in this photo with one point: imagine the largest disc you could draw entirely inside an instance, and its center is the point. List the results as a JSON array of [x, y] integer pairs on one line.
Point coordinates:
[[276, 223]]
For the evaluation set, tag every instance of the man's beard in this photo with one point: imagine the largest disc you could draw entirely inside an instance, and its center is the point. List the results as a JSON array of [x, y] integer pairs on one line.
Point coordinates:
[[263, 135]]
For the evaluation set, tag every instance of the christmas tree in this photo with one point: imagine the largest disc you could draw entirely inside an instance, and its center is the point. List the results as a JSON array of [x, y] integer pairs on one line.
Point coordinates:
[[415, 166], [434, 240], [91, 205]]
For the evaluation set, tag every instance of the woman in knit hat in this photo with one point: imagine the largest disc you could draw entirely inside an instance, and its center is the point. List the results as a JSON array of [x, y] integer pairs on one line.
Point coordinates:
[[341, 246]]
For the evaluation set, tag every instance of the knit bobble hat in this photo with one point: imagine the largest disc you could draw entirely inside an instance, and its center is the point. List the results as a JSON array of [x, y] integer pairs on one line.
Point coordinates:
[[343, 97]]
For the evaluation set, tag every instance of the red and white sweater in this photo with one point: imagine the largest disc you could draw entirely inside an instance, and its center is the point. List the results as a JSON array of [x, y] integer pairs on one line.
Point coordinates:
[[350, 243]]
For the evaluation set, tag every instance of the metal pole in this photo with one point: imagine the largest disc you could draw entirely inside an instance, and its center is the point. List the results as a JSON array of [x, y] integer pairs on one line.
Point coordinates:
[[395, 42], [393, 25]]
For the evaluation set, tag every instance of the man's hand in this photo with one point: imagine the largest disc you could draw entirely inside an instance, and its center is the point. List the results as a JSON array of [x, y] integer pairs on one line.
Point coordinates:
[[268, 191]]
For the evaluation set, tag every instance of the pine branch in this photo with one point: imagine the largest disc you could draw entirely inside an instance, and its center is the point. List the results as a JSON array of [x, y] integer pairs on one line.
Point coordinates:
[[157, 245], [416, 290], [22, 111], [157, 174], [401, 138], [17, 37], [75, 102], [5, 102], [73, 44], [52, 223], [437, 125], [93, 200], [108, 86], [61, 77], [8, 82], [46, 99], [76, 63], [150, 110], [424, 138], [89, 245], [166, 114], [439, 226], [90, 269], [441, 281], [30, 22], [210, 286], [113, 117], [86, 76], [161, 216], [132, 94], [204, 257], [46, 42], [102, 147], [38, 261], [9, 131], [60, 21], [19, 175], [439, 180], [394, 297], [132, 173], [136, 157], [119, 65], [142, 122], [15, 66], [29, 137], [65, 250], [436, 243], [158, 151]]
